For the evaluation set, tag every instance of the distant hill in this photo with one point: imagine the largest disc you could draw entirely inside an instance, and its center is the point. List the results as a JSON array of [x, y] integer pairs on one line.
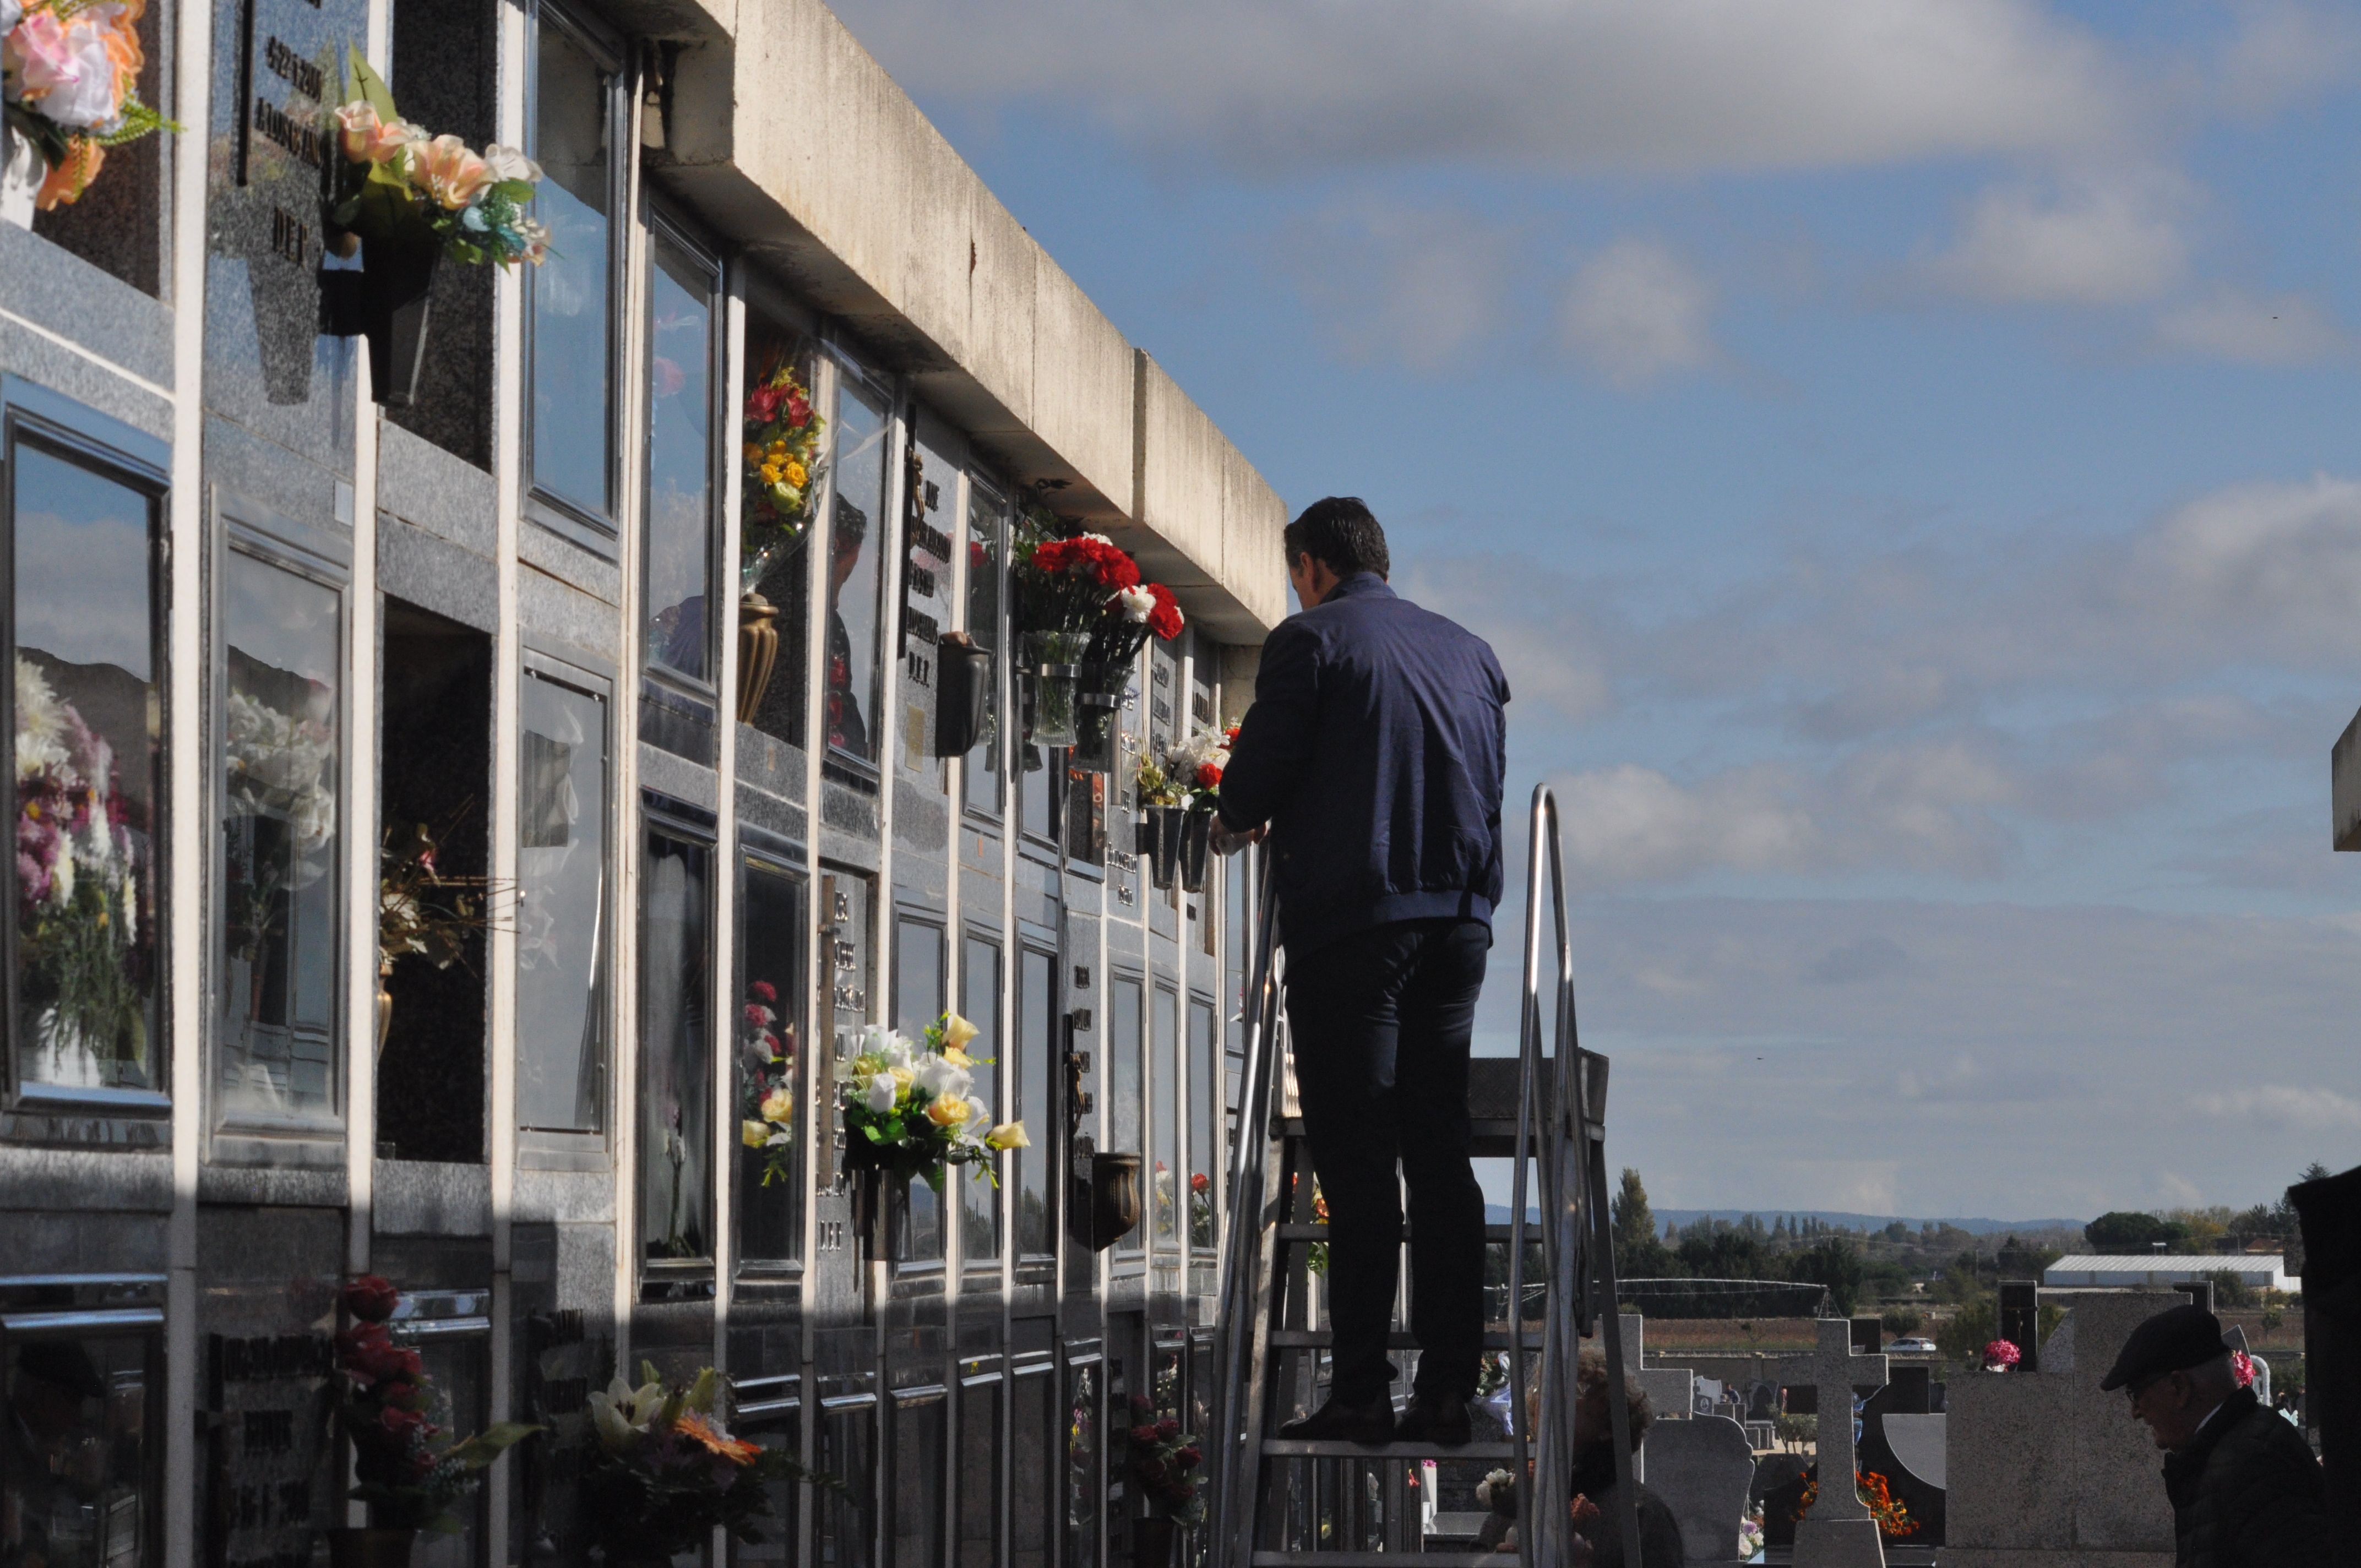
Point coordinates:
[[1687, 1217], [1497, 1214]]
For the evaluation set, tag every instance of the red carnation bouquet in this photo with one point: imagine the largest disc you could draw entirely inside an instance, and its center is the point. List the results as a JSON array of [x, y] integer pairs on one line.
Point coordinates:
[[2001, 1356], [1167, 1464], [1058, 583], [411, 1471]]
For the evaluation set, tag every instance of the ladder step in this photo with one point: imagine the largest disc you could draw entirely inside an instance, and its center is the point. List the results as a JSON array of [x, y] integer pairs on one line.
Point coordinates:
[[1325, 1448], [1400, 1339], [1317, 1232], [1383, 1559], [1489, 1137]]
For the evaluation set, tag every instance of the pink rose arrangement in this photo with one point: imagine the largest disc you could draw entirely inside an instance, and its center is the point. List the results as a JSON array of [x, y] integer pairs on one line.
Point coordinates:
[[2002, 1355], [399, 182], [69, 76]]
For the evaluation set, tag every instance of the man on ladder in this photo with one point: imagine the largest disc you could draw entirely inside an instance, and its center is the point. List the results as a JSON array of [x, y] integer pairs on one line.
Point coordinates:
[[1373, 753]]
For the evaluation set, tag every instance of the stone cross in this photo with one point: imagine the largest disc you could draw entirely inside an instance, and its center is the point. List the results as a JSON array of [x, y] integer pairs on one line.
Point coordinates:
[[1838, 1532]]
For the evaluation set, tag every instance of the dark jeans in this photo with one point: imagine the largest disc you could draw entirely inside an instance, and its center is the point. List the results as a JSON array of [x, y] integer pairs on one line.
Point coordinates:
[[1380, 1021]]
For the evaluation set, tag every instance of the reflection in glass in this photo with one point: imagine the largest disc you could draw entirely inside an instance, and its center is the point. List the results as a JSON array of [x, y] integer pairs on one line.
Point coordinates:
[[781, 1432], [78, 1454], [856, 528], [770, 1061], [1125, 1113], [675, 1068], [919, 1002], [88, 747], [915, 1533], [1204, 1163], [846, 1451], [776, 520], [455, 1364], [987, 543], [1035, 1002], [1081, 1466], [1164, 1131], [680, 463], [277, 1014], [572, 94], [978, 1471], [929, 539], [561, 909], [980, 1005], [1033, 1487]]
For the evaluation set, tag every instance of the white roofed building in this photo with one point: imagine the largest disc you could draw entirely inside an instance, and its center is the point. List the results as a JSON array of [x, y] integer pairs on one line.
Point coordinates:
[[2257, 1271]]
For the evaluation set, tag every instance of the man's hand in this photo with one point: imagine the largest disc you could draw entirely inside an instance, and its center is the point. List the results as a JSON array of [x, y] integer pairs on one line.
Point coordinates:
[[1229, 840]]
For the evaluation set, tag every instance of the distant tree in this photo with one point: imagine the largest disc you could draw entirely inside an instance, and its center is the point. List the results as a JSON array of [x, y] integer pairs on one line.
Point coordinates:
[[1897, 1231], [2018, 1260], [1834, 1263], [1901, 1320], [2125, 1232], [1638, 1254], [1963, 1335], [2229, 1291]]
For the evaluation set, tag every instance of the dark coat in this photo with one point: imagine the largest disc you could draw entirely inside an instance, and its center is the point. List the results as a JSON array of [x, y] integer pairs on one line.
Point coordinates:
[[1373, 749], [2247, 1493], [1660, 1532]]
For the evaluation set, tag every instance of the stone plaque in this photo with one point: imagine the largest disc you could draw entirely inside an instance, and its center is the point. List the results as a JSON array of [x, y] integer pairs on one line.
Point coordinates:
[[279, 71], [267, 1317]]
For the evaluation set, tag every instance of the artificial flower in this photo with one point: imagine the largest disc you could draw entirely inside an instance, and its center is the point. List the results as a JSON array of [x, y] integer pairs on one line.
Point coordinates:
[[448, 172], [1008, 1135], [11, 13], [941, 1079], [882, 1093], [754, 1134], [957, 1031], [957, 1057], [511, 163], [947, 1112], [372, 1299], [779, 1105], [715, 1440], [1136, 604]]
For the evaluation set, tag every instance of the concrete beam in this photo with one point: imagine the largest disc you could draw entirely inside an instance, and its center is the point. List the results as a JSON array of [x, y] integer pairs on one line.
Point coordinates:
[[789, 138], [2344, 788]]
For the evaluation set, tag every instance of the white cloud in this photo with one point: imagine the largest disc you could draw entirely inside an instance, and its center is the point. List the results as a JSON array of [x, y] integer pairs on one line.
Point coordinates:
[[1545, 636], [2284, 54], [2252, 329], [2286, 1109], [1926, 805], [1400, 285], [2108, 241], [1638, 311], [1675, 85], [2272, 566]]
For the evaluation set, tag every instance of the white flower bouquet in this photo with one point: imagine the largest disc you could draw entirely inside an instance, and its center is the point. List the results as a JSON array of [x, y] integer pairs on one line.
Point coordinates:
[[907, 1107]]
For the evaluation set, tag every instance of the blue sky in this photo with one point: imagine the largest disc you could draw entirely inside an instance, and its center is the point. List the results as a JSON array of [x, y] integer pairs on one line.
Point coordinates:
[[1906, 459]]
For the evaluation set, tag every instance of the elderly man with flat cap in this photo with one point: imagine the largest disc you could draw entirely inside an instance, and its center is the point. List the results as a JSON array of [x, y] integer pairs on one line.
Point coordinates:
[[2246, 1491]]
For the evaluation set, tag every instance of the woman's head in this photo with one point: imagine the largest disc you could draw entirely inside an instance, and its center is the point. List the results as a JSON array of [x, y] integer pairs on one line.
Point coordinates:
[[1592, 1419]]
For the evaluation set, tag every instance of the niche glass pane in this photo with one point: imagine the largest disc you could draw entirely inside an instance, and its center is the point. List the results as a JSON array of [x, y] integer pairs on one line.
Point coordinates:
[[914, 1530], [1125, 1080], [680, 463], [979, 1474], [1034, 1001], [987, 543], [784, 439], [1081, 1466], [676, 1065], [276, 1009], [980, 1004], [81, 1448], [571, 313], [1164, 1131], [561, 909], [1032, 1479], [919, 1002], [89, 741], [1205, 1164], [770, 1061], [856, 531]]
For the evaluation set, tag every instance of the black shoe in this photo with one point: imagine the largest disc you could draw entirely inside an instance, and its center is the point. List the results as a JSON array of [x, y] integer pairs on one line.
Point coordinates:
[[1442, 1422], [1342, 1420]]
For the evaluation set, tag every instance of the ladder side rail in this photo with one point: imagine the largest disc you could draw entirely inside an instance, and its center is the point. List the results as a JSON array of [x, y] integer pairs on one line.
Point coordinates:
[[1553, 1468], [1594, 1131], [1244, 1288]]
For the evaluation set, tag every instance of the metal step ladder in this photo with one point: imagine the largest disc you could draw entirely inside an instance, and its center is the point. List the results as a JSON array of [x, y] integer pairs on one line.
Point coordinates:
[[1283, 1503]]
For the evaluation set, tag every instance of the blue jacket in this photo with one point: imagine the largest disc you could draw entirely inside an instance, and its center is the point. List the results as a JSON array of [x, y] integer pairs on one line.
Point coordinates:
[[1373, 749]]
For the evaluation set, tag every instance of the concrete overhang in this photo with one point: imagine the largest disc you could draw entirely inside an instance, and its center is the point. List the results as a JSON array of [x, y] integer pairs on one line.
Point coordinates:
[[787, 137], [2344, 788]]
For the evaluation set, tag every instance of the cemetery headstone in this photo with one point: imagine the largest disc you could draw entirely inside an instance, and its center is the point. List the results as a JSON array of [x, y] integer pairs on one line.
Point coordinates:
[[1671, 1390], [2020, 1321], [1702, 1471], [2049, 1466], [1867, 1337], [1838, 1531], [1903, 1443]]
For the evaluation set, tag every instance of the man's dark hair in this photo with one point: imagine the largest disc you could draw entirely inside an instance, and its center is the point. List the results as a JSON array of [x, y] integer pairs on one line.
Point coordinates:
[[1339, 531]]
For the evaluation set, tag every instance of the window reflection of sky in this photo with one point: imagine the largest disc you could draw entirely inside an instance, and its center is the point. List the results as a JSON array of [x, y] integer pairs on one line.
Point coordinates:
[[679, 470], [561, 908]]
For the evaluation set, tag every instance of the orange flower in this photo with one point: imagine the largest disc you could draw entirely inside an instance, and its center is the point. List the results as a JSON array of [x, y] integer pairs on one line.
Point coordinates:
[[69, 180], [735, 1449]]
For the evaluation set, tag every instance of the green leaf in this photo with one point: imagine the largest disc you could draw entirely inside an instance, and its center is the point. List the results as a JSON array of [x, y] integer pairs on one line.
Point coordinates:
[[517, 191], [479, 1450], [363, 82]]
